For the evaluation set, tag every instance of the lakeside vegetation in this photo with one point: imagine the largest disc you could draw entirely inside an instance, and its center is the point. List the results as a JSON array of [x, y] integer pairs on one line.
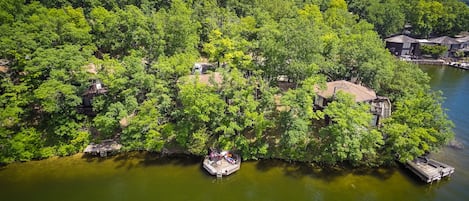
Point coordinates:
[[142, 52]]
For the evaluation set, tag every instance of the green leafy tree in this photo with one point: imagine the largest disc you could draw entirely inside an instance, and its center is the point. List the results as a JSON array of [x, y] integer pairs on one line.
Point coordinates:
[[143, 131], [424, 16], [418, 125], [406, 80], [23, 146], [296, 119], [349, 136], [228, 51], [201, 109], [180, 29], [387, 17], [435, 51], [10, 9]]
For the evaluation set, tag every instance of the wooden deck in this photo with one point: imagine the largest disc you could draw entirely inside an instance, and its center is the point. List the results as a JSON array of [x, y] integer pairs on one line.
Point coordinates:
[[429, 170], [103, 148], [221, 167]]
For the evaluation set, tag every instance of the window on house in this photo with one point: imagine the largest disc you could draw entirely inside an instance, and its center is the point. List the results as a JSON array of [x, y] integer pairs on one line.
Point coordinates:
[[406, 45]]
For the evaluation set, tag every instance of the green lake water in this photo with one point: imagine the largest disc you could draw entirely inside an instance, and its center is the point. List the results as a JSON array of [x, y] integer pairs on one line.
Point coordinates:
[[148, 177]]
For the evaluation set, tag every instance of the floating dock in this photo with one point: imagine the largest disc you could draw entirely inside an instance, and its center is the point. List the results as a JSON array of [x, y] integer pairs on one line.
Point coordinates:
[[429, 170], [222, 164], [460, 65], [103, 148]]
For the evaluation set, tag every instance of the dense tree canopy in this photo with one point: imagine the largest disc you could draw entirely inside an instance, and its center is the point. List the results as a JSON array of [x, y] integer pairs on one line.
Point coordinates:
[[141, 53], [426, 17]]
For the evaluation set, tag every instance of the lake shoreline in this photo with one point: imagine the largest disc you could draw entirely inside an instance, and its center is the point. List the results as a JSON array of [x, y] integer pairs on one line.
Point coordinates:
[[153, 156]]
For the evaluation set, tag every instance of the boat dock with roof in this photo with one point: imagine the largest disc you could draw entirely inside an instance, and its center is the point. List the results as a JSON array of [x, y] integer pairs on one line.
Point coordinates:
[[222, 163], [429, 170]]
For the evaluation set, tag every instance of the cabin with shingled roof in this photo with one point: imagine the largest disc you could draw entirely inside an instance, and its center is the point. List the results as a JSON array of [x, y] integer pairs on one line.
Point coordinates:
[[380, 106]]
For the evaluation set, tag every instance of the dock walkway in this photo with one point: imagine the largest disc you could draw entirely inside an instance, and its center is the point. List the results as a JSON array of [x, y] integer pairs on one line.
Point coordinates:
[[103, 148], [429, 170]]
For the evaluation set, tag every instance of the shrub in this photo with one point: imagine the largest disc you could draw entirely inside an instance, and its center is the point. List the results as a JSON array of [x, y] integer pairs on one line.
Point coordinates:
[[435, 51]]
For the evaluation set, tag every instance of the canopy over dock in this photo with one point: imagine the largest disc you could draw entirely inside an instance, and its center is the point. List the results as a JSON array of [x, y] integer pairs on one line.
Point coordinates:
[[429, 170], [103, 148], [222, 163]]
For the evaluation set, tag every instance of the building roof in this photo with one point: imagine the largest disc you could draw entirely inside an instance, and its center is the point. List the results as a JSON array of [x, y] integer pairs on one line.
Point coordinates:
[[463, 39], [361, 93], [3, 69], [91, 68], [205, 78], [423, 41], [401, 39], [444, 40]]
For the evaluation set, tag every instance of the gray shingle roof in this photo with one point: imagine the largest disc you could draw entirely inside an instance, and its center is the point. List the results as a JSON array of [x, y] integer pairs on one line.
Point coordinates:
[[401, 39], [463, 39], [361, 93], [444, 40]]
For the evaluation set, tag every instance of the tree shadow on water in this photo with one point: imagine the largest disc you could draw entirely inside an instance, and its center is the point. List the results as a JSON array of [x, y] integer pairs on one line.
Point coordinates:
[[267, 164], [3, 166], [93, 158], [383, 173], [143, 158], [126, 160], [299, 170], [156, 159]]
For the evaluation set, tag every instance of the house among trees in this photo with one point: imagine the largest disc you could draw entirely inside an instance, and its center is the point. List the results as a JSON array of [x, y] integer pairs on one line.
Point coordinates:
[[464, 44], [3, 65], [402, 45], [380, 106], [96, 88], [202, 68]]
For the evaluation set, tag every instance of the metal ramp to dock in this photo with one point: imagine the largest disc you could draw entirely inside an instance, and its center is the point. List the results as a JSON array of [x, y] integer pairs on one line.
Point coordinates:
[[429, 170]]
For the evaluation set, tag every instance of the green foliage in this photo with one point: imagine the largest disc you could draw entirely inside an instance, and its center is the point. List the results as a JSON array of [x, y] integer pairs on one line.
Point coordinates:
[[227, 51], [418, 125], [22, 146], [427, 17], [10, 9], [350, 136], [180, 29], [407, 80], [435, 51], [198, 144], [296, 119], [142, 53]]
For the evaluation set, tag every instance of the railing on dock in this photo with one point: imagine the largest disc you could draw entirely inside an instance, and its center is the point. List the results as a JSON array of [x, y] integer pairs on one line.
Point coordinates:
[[429, 170]]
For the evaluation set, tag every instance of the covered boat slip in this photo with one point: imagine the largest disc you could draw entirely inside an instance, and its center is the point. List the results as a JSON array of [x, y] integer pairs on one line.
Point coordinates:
[[222, 164], [429, 170]]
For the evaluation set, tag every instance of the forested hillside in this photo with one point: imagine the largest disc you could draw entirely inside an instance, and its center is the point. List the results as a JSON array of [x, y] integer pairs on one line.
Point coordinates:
[[142, 51], [423, 18]]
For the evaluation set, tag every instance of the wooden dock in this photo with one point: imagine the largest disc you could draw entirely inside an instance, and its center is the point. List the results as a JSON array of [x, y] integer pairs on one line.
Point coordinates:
[[460, 65], [427, 61], [102, 149], [429, 170], [222, 165]]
